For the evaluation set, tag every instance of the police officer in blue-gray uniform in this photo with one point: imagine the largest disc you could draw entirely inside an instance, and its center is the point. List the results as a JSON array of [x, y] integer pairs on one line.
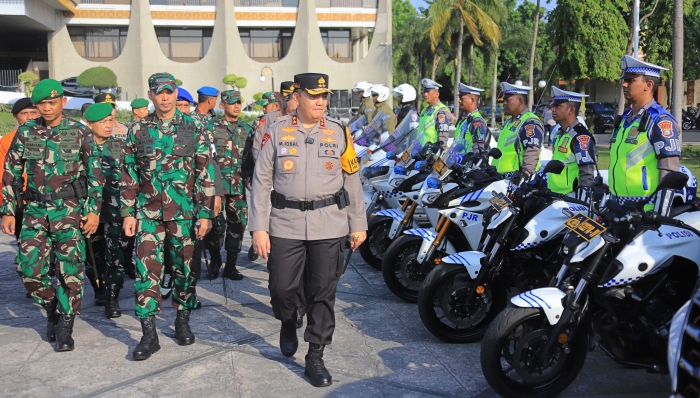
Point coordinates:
[[645, 145]]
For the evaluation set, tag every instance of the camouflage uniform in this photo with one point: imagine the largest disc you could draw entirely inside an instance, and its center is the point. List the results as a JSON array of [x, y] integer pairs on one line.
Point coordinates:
[[167, 181], [204, 119], [54, 160]]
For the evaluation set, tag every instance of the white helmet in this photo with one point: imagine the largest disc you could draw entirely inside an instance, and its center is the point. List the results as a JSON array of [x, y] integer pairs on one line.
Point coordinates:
[[382, 91], [406, 91], [364, 87]]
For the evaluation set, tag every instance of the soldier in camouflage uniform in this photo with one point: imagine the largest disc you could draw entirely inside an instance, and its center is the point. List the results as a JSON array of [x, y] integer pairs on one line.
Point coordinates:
[[269, 105], [206, 102], [113, 243], [233, 141], [64, 193], [167, 181]]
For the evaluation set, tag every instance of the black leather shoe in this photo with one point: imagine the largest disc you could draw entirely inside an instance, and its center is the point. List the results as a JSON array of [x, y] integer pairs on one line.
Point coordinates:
[[289, 343], [28, 295], [112, 309], [252, 255], [315, 368], [183, 333], [149, 341], [64, 333], [130, 271], [51, 319], [230, 271], [99, 292], [214, 264], [300, 320]]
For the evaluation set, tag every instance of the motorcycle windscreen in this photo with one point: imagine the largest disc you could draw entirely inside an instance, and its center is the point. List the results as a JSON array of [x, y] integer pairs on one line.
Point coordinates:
[[373, 131], [399, 140], [359, 122]]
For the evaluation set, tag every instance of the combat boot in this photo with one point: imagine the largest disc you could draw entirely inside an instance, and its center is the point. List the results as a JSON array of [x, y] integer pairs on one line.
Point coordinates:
[[215, 264], [315, 368], [289, 343], [51, 319], [99, 292], [149, 341], [230, 270], [64, 333], [112, 309], [183, 333]]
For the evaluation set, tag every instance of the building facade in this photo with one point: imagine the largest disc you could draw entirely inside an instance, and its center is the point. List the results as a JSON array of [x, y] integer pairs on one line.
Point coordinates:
[[201, 41]]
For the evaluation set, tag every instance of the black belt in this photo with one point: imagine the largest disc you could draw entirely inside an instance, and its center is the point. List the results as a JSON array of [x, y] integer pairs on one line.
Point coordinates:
[[340, 198], [34, 196]]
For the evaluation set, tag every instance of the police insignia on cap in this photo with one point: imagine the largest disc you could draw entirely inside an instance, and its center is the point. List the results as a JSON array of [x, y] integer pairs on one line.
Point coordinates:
[[321, 82]]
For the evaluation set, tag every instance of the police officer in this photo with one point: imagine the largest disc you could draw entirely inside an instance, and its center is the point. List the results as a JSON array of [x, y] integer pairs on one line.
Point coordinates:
[[271, 112], [644, 146], [363, 93], [167, 182], [520, 139], [233, 141], [471, 127], [310, 163], [139, 110], [64, 187], [573, 145], [405, 97], [112, 243], [184, 101], [436, 118], [380, 94], [206, 102]]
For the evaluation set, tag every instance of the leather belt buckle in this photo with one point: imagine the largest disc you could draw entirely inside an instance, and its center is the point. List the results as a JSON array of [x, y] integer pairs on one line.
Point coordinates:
[[307, 206]]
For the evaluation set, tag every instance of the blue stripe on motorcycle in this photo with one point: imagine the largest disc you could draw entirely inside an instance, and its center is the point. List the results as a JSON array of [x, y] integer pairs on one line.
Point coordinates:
[[526, 300], [539, 298]]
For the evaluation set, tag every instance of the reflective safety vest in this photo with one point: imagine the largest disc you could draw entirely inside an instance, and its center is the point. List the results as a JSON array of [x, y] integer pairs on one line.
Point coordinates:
[[510, 146], [564, 182], [464, 128], [427, 122]]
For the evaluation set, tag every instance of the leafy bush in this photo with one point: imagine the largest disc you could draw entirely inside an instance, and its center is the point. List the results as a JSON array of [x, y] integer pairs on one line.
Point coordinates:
[[236, 82], [28, 78], [99, 77]]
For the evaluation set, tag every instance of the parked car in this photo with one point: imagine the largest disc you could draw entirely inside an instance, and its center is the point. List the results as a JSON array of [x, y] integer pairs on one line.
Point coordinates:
[[72, 89], [486, 112], [600, 117]]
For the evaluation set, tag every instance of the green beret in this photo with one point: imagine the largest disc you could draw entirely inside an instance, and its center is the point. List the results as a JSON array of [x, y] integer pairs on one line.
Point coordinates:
[[46, 89], [97, 112], [139, 103]]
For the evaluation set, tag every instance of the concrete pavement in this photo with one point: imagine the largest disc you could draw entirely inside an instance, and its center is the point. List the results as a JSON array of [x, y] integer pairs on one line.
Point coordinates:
[[380, 348]]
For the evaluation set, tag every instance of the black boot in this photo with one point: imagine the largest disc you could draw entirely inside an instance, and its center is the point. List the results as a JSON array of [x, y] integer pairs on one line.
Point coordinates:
[[99, 291], [288, 337], [129, 267], [64, 333], [149, 342], [51, 319], [315, 368], [252, 255], [112, 309], [230, 270], [300, 319], [183, 333], [214, 264]]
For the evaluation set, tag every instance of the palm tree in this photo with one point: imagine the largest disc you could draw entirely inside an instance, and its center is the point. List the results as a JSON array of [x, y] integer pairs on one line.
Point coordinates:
[[480, 18], [677, 61], [531, 94]]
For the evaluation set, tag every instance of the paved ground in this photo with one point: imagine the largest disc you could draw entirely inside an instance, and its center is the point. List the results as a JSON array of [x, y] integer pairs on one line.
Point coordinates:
[[381, 349]]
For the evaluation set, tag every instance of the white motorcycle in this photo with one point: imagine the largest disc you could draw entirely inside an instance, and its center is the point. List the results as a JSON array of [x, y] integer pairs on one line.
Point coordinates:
[[622, 279]]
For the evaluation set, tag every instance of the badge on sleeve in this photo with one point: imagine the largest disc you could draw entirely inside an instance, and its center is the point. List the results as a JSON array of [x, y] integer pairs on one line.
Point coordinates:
[[348, 159], [265, 139], [583, 141], [666, 128]]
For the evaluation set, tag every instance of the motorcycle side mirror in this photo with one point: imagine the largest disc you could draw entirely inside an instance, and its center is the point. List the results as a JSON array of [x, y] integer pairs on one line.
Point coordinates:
[[555, 167], [495, 153], [674, 180]]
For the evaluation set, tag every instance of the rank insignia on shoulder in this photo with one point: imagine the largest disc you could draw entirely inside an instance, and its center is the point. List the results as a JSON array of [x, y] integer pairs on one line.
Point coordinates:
[[295, 120]]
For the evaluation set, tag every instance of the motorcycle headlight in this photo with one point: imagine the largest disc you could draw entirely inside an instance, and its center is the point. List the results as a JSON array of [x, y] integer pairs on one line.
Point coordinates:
[[389, 154], [400, 170], [418, 165], [433, 183]]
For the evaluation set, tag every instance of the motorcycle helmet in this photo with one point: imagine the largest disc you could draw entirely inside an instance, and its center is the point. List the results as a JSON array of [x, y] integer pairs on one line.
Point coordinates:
[[406, 91], [363, 87], [381, 91]]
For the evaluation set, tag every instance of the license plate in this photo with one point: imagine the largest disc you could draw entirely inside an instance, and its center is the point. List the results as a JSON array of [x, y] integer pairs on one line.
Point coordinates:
[[584, 226], [440, 167], [405, 156], [500, 201]]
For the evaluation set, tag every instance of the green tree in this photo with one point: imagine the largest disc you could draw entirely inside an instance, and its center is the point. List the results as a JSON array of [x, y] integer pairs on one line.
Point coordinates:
[[691, 50], [236, 82], [480, 19], [99, 77], [28, 78], [178, 82]]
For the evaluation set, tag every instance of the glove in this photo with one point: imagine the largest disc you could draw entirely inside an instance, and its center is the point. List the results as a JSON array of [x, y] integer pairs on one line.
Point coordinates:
[[663, 201]]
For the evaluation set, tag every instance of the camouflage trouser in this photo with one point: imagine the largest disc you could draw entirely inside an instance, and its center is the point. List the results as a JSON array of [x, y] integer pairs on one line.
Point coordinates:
[[35, 247], [236, 220], [116, 244], [153, 238]]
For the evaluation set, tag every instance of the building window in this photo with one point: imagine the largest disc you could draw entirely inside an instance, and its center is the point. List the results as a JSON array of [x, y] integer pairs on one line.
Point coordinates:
[[339, 99], [337, 44], [98, 44], [184, 44], [266, 45]]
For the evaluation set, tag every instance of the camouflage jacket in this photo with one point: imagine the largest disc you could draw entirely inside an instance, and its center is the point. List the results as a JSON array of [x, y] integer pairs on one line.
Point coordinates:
[[111, 154], [204, 119], [233, 144], [54, 160], [167, 174]]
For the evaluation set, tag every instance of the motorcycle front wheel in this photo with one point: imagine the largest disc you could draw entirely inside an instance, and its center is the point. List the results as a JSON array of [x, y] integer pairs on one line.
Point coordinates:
[[373, 248], [400, 269], [511, 361], [687, 125], [443, 306]]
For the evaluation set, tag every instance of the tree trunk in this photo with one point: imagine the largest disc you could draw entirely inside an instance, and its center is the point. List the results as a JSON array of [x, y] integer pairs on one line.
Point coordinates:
[[458, 66], [677, 45], [436, 61], [471, 64], [494, 89], [419, 97], [531, 94]]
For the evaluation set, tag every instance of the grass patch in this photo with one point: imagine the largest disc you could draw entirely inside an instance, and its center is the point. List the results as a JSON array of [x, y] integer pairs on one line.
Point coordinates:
[[689, 159]]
